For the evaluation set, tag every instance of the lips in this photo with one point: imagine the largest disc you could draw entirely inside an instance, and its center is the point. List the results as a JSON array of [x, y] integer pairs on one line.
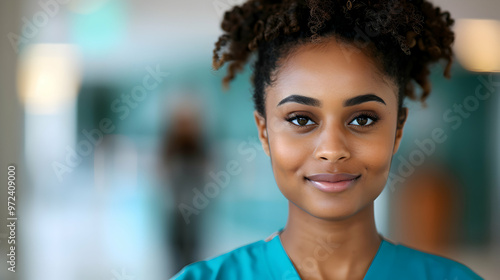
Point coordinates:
[[333, 183], [332, 178]]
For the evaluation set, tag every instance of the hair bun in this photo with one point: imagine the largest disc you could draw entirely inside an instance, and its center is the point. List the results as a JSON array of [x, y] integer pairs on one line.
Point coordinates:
[[408, 35]]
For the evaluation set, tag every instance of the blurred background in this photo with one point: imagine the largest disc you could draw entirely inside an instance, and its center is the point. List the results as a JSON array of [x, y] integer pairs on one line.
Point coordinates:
[[131, 161]]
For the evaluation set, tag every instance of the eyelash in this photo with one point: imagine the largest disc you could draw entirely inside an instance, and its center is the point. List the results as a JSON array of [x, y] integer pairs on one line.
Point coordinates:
[[298, 116], [368, 115]]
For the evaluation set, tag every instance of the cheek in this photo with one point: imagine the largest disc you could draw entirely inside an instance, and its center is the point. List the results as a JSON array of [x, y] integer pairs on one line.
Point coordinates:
[[288, 156], [288, 152], [376, 154]]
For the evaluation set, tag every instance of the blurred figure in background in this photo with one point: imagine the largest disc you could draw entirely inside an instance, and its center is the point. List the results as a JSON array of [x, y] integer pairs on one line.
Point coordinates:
[[427, 210], [185, 159]]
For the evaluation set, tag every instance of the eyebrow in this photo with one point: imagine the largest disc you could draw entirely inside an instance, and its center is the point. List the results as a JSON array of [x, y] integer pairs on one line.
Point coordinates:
[[301, 99], [362, 99]]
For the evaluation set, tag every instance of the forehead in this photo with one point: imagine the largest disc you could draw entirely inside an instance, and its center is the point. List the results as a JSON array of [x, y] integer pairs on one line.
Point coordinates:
[[332, 69]]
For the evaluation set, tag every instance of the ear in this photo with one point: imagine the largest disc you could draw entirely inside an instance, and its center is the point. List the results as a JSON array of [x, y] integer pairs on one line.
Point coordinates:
[[262, 131], [402, 117]]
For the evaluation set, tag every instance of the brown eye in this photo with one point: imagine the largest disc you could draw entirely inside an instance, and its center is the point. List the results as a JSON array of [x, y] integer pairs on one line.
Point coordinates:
[[364, 120], [300, 120]]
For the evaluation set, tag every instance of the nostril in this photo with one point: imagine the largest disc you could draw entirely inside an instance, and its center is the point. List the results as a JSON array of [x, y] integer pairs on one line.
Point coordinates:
[[340, 158]]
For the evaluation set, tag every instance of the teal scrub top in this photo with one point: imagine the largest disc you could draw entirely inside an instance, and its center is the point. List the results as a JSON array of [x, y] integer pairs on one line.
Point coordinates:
[[267, 259]]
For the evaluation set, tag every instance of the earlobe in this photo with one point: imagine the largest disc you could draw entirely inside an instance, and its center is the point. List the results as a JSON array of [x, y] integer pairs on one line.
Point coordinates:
[[260, 121], [402, 117]]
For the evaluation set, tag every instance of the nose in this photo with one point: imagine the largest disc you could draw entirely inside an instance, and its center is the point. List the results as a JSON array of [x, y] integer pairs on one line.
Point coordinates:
[[332, 144]]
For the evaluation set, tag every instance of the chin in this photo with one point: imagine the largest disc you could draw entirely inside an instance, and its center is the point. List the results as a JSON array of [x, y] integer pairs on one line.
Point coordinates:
[[333, 213], [336, 207], [326, 209], [331, 206]]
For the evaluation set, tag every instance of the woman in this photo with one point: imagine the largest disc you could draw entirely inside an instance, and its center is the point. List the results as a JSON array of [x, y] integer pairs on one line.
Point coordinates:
[[330, 78]]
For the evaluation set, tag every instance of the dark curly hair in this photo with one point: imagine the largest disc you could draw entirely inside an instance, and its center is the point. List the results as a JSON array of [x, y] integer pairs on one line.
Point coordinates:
[[403, 36]]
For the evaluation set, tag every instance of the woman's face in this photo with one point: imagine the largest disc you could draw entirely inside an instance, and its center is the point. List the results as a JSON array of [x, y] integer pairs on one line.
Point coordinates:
[[330, 112]]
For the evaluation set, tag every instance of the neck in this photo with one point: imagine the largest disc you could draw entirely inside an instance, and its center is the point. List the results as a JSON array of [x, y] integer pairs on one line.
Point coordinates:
[[326, 249]]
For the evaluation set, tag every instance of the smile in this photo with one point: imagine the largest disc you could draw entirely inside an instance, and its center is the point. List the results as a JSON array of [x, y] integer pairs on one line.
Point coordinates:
[[333, 186]]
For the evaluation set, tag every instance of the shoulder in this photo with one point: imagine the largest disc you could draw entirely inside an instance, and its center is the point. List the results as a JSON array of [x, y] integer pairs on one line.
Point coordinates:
[[424, 265], [232, 265]]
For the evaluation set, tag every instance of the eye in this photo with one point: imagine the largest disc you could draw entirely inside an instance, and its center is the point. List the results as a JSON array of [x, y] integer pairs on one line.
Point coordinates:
[[364, 120], [300, 120]]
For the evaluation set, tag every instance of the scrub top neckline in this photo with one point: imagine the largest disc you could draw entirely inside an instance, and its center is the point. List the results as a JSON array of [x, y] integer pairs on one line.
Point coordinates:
[[284, 264]]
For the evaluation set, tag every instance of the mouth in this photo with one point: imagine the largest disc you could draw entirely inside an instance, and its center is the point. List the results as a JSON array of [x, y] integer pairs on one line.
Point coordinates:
[[333, 183]]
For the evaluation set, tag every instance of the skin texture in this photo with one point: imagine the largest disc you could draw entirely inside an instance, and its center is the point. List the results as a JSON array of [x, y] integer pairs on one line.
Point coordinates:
[[330, 235]]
